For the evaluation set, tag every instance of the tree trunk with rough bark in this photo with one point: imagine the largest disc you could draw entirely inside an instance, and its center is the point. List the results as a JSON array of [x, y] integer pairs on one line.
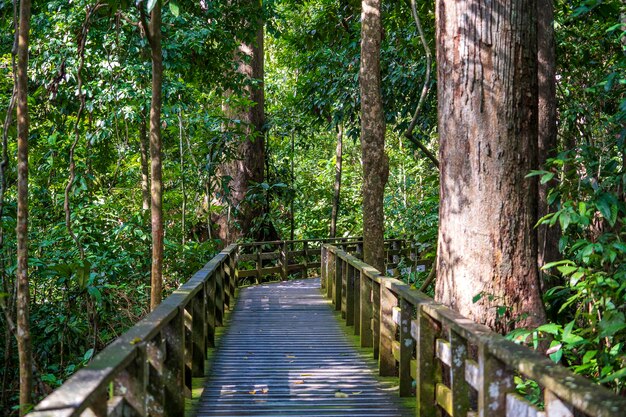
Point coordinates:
[[156, 189], [547, 237], [144, 148], [24, 345], [487, 94], [337, 187], [248, 166], [375, 161]]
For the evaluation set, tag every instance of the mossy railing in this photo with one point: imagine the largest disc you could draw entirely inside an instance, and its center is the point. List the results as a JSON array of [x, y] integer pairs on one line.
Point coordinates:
[[451, 365], [149, 369]]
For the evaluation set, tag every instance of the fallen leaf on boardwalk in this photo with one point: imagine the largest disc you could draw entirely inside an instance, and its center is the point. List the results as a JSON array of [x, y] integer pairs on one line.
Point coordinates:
[[340, 394], [135, 341], [291, 362], [265, 390], [252, 392], [298, 382], [356, 392], [306, 374], [290, 357]]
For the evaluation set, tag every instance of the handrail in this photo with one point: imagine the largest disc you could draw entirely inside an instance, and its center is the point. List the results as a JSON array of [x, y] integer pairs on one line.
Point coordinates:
[[284, 257], [148, 370], [413, 337]]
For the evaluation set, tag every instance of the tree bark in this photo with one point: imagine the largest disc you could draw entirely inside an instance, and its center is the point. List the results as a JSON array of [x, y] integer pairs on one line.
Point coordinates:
[[375, 161], [248, 166], [337, 187], [144, 146], [24, 345], [156, 189], [547, 237], [487, 95]]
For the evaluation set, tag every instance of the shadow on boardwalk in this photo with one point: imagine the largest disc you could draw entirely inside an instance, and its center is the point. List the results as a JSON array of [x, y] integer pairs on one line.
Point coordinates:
[[285, 354]]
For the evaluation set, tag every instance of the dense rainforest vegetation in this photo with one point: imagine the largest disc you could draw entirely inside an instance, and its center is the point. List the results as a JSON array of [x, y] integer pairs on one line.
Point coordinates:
[[275, 86]]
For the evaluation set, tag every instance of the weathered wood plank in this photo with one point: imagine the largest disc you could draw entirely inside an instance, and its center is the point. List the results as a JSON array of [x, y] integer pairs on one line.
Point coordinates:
[[286, 354]]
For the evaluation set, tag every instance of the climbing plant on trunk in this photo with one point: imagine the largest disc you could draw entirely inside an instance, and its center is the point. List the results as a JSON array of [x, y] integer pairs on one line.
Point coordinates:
[[487, 90]]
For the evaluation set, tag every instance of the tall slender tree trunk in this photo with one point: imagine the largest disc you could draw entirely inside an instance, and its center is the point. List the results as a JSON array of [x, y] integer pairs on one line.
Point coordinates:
[[547, 237], [293, 184], [182, 174], [23, 296], [487, 87], [144, 148], [156, 188], [337, 188], [375, 161], [248, 167]]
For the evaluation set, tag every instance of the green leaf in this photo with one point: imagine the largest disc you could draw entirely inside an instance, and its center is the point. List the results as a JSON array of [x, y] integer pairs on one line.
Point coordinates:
[[551, 328], [150, 5], [174, 8], [567, 269], [88, 355], [477, 297], [615, 375], [547, 177]]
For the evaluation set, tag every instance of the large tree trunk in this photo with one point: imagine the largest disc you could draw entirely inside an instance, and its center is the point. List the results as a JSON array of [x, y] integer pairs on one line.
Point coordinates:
[[248, 166], [144, 146], [547, 237], [487, 91], [337, 187], [375, 161], [23, 296], [156, 189]]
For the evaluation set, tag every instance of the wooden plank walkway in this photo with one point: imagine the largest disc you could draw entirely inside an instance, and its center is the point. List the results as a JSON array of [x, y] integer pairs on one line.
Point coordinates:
[[284, 354]]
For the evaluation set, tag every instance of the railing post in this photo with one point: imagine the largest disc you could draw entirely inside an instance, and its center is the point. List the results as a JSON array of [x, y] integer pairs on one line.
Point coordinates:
[[330, 280], [188, 351], [209, 288], [338, 274], [224, 266], [323, 269], [386, 361], [219, 296], [376, 317], [305, 250], [424, 331], [406, 348], [174, 366], [131, 384], [283, 261], [344, 289], [359, 250], [365, 310], [458, 385], [495, 382], [198, 335], [356, 300], [350, 294], [259, 262]]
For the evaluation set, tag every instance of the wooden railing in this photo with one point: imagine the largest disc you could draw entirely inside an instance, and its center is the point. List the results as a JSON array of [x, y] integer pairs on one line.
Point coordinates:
[[148, 370], [279, 259], [451, 365]]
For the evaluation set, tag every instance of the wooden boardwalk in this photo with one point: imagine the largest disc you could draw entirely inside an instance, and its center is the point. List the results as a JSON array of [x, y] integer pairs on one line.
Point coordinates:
[[286, 355]]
